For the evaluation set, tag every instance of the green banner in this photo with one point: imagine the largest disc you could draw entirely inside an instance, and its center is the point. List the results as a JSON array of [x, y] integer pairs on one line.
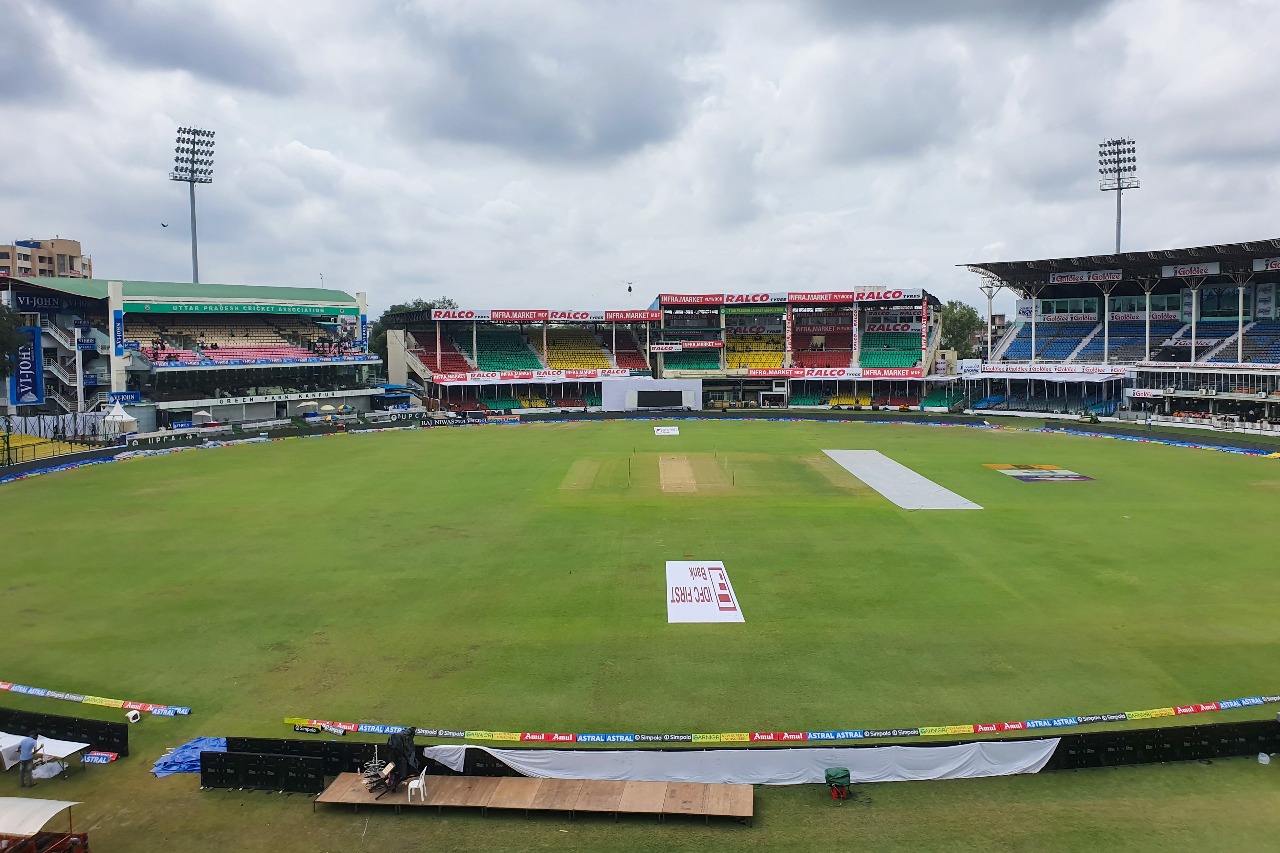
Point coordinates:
[[755, 309], [238, 308]]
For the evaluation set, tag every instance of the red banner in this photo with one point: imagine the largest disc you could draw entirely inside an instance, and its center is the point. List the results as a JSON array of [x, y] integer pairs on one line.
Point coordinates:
[[702, 344], [691, 299], [644, 316], [504, 316]]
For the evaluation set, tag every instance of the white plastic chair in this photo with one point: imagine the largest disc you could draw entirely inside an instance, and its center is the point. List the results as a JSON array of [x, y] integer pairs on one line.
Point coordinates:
[[419, 785]]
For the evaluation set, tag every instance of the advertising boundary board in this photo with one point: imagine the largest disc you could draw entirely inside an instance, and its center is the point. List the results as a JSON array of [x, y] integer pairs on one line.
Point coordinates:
[[26, 471], [797, 735], [149, 707]]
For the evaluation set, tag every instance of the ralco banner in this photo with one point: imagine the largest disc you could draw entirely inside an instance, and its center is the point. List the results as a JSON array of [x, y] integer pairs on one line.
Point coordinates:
[[700, 592]]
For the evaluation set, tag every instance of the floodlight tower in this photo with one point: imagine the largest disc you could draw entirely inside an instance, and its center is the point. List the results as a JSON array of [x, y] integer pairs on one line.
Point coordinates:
[[1118, 167], [193, 164]]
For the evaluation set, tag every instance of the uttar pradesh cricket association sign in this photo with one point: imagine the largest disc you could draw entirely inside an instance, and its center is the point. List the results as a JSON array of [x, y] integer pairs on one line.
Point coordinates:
[[700, 591]]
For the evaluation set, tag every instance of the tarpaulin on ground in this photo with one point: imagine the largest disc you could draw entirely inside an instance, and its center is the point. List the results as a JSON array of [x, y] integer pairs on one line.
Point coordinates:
[[770, 766], [186, 758]]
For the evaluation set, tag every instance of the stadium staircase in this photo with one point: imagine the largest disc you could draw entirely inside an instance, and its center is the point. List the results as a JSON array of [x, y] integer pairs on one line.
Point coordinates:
[[451, 359], [1054, 341], [1262, 342], [628, 354], [1226, 351]]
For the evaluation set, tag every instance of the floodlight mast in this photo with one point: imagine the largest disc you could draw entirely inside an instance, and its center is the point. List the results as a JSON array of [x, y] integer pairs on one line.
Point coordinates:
[[1118, 170], [193, 164]]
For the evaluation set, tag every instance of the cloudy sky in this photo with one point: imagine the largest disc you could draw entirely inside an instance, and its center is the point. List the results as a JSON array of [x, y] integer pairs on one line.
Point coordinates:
[[516, 154]]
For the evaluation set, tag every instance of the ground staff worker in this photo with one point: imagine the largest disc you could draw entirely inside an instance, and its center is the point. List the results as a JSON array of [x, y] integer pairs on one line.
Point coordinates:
[[27, 752]]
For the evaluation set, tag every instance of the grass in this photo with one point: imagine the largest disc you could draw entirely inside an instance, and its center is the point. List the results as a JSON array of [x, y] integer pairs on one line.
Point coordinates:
[[511, 579]]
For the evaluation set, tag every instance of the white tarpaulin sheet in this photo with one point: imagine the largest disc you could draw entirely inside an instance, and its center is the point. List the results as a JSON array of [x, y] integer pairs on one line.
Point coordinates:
[[24, 816], [53, 749], [897, 482], [771, 766]]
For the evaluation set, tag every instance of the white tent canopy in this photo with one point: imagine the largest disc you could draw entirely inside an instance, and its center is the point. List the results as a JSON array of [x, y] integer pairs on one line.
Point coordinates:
[[119, 422], [24, 817]]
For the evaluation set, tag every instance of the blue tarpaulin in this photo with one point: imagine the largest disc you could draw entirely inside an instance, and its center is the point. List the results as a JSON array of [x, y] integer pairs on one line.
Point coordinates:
[[186, 758]]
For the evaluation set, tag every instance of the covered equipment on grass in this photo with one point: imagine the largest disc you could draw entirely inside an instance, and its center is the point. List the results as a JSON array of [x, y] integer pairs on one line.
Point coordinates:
[[838, 782]]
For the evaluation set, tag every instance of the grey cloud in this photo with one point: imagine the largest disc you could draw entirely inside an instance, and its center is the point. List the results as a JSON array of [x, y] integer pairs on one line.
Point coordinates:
[[27, 64], [589, 104], [893, 110], [192, 37], [917, 13]]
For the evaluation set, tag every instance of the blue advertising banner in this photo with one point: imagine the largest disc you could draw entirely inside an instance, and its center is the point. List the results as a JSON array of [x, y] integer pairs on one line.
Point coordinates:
[[364, 332], [26, 382], [86, 344], [90, 380], [125, 397], [117, 331]]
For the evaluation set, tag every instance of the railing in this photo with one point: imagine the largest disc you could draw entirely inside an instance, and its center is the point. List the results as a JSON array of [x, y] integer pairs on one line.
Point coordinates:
[[57, 333]]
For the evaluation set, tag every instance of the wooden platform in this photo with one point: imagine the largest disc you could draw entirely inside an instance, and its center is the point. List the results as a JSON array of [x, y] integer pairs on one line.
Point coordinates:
[[564, 795]]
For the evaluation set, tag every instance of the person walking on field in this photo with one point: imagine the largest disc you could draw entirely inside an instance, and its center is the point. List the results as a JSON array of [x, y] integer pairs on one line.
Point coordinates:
[[27, 752]]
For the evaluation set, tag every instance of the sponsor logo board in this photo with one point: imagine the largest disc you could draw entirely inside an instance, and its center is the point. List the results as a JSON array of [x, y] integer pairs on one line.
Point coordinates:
[[1085, 276], [691, 299], [893, 327], [754, 298], [507, 316], [1187, 270], [667, 430], [1038, 473], [1131, 316], [700, 591], [861, 294]]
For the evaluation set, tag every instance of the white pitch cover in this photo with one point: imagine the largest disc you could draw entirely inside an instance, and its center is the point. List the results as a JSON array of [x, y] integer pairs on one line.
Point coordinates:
[[700, 591]]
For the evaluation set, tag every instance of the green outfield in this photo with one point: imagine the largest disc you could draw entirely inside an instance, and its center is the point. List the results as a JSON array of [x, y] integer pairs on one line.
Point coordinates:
[[511, 578]]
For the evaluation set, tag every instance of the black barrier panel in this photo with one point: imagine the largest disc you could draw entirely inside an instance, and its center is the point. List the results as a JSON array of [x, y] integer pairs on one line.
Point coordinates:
[[299, 774], [338, 756], [1173, 743], [101, 735], [477, 762]]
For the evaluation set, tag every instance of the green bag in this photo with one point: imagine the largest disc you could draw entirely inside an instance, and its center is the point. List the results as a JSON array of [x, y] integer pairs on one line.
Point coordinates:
[[837, 775]]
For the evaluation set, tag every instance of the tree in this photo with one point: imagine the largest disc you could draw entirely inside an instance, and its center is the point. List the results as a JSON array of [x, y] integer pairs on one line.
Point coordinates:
[[378, 331], [959, 321], [9, 324]]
